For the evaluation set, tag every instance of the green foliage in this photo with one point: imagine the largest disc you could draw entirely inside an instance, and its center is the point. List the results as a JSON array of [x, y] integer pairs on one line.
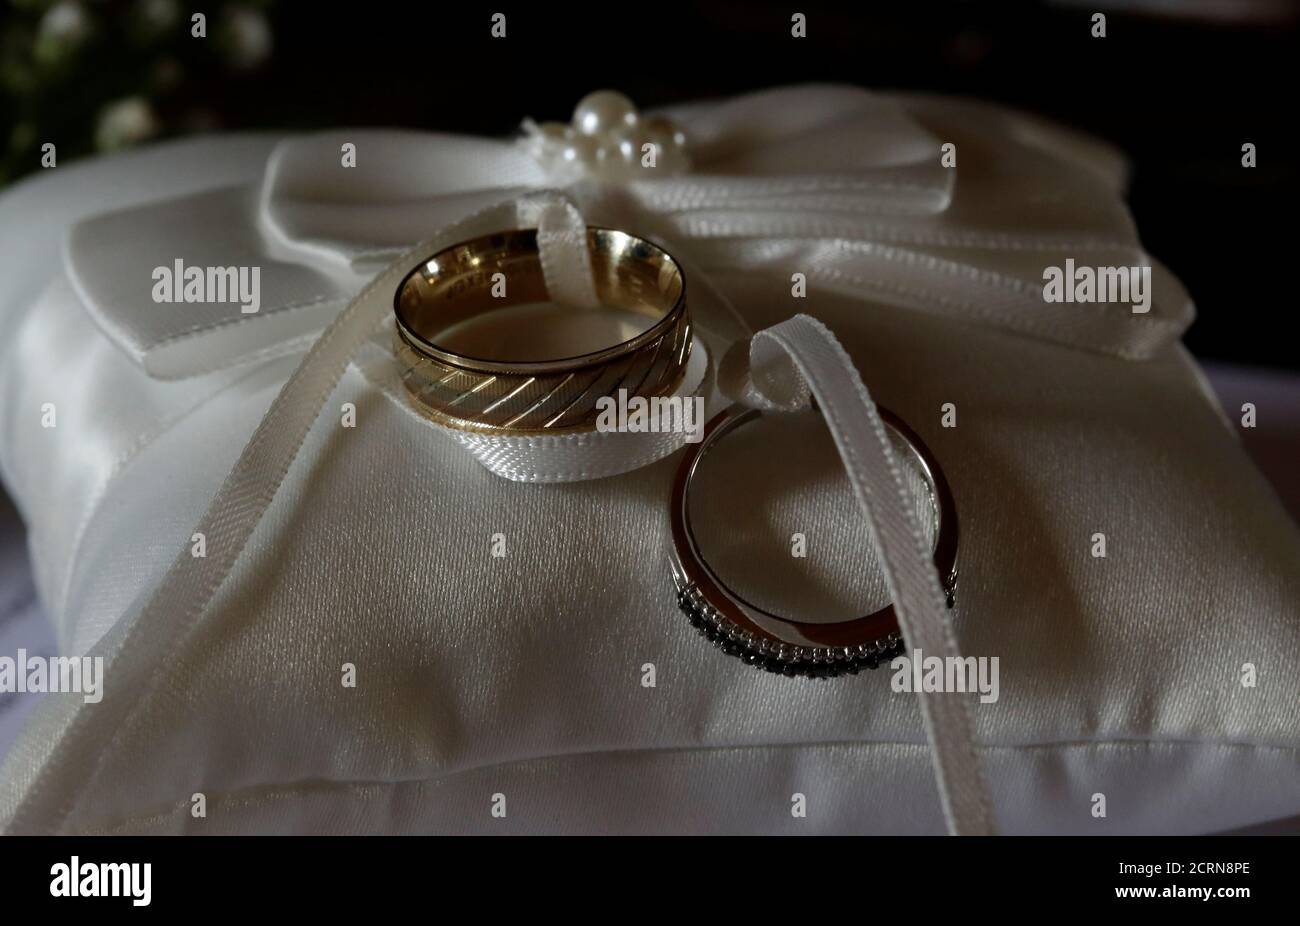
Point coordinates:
[[100, 75]]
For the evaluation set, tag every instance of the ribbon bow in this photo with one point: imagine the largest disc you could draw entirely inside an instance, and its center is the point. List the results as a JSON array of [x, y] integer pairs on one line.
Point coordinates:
[[939, 206], [846, 187]]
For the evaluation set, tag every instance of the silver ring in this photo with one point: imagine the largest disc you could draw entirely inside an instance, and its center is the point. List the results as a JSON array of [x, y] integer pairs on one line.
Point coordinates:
[[781, 644]]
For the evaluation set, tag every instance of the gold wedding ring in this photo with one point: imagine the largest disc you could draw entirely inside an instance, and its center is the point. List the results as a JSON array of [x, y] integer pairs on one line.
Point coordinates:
[[459, 317]]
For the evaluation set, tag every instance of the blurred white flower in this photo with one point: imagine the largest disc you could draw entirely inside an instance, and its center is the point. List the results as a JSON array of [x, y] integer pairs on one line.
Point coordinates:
[[65, 22], [247, 37], [159, 15], [63, 29], [124, 123]]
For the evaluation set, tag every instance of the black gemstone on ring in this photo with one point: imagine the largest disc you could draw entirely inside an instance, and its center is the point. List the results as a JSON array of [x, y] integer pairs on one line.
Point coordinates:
[[807, 668]]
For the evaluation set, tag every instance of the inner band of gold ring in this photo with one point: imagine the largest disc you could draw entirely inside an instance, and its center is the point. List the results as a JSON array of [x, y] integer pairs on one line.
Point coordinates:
[[546, 396]]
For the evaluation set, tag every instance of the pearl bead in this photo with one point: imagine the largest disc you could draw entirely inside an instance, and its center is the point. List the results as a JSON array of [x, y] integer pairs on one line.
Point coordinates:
[[609, 162], [599, 112], [550, 138], [626, 140], [664, 132], [608, 140], [580, 150]]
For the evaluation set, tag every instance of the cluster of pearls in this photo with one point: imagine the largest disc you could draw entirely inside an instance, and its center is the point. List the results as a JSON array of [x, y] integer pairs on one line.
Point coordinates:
[[609, 139]]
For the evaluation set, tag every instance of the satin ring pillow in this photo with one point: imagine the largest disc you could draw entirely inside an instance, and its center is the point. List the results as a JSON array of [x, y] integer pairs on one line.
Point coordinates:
[[383, 634]]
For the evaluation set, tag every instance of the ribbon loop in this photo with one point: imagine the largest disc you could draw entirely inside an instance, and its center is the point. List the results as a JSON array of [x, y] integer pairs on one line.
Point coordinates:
[[561, 247], [882, 494], [757, 374]]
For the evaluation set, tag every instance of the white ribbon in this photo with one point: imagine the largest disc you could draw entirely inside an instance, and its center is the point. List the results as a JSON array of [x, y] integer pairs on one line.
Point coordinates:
[[561, 249], [800, 356]]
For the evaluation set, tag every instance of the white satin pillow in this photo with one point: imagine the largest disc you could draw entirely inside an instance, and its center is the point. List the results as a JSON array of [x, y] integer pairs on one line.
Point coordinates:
[[522, 676]]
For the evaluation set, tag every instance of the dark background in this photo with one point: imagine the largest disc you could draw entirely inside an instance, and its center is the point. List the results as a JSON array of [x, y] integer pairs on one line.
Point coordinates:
[[1179, 86]]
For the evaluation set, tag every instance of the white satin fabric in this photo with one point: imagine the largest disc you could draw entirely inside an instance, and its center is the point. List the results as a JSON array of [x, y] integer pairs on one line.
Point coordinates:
[[374, 550]]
